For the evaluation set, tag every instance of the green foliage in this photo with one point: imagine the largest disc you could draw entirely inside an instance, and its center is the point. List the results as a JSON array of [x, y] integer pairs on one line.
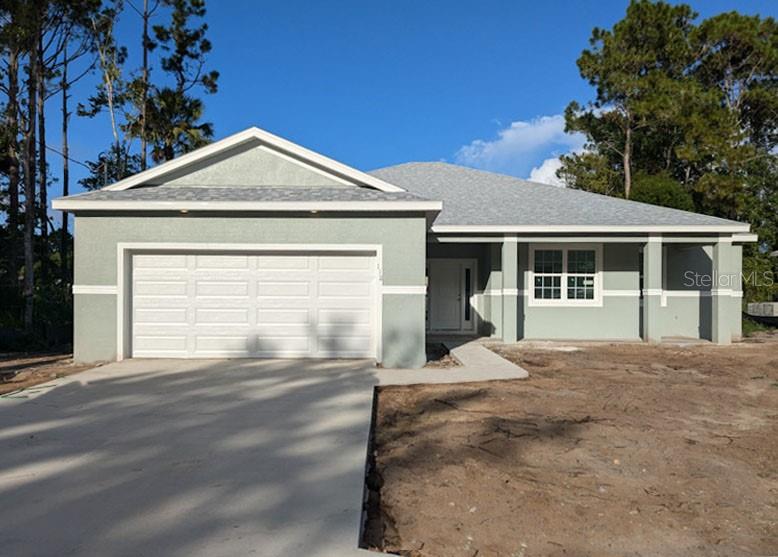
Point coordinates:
[[663, 190], [689, 107], [110, 166], [759, 272], [174, 115]]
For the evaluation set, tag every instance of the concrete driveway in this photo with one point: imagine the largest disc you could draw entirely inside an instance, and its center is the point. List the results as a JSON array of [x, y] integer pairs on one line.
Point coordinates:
[[188, 458]]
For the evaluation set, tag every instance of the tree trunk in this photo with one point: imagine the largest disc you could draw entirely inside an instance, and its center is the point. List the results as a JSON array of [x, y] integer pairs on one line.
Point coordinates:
[[29, 184], [628, 162], [42, 175], [145, 86], [12, 123], [63, 239]]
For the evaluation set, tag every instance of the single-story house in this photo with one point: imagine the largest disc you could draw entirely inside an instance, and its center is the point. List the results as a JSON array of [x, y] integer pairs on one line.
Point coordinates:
[[254, 246]]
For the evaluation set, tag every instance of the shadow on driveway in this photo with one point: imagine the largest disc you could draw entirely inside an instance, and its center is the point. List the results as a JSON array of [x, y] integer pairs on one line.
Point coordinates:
[[189, 458]]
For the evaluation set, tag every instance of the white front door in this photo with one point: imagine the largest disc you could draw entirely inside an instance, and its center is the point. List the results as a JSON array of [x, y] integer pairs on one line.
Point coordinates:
[[450, 289], [254, 305]]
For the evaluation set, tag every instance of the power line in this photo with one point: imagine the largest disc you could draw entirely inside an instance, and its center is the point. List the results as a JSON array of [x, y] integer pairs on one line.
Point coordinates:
[[50, 148]]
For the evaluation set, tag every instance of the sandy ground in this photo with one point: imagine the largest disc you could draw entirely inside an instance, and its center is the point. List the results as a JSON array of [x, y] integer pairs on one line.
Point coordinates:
[[606, 450], [439, 357], [21, 371]]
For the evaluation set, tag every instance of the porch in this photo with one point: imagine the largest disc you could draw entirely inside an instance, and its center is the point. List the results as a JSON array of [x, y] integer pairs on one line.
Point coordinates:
[[579, 287]]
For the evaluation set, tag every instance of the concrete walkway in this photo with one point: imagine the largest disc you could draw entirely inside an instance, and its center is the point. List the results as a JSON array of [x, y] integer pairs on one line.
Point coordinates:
[[478, 364], [198, 457]]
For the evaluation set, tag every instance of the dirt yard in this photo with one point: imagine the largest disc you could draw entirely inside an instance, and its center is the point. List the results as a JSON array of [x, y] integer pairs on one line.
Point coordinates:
[[606, 450], [21, 371]]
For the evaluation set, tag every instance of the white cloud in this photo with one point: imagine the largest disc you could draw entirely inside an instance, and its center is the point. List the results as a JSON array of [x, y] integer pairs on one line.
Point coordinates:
[[522, 147], [546, 172]]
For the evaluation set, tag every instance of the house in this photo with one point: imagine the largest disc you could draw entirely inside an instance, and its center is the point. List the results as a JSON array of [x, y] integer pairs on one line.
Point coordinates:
[[256, 247]]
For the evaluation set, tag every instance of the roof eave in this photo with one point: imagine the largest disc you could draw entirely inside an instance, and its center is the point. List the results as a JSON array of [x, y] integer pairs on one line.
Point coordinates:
[[68, 204], [599, 229]]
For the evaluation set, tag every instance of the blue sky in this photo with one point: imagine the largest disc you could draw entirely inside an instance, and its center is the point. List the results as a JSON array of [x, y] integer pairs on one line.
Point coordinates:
[[379, 83]]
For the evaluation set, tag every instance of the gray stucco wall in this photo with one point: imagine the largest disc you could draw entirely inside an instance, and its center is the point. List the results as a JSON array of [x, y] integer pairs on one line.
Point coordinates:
[[403, 239], [249, 166], [687, 309], [618, 317]]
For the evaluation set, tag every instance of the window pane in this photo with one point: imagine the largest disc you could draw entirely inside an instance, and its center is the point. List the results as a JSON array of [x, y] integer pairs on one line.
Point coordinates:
[[468, 293], [548, 287], [580, 287], [548, 261], [580, 261]]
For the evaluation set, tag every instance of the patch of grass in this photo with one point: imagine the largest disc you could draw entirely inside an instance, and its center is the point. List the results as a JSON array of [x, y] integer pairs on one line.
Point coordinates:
[[750, 327]]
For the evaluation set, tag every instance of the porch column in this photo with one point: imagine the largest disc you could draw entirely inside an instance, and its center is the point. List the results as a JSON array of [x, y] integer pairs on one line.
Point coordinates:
[[652, 288], [510, 289], [721, 291]]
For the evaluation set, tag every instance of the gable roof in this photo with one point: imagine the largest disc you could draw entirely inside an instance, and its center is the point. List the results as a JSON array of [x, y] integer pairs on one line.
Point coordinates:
[[201, 198], [480, 201], [281, 146]]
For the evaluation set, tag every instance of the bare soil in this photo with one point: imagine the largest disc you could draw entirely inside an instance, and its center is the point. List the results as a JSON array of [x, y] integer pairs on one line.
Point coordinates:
[[21, 371], [438, 357], [606, 450]]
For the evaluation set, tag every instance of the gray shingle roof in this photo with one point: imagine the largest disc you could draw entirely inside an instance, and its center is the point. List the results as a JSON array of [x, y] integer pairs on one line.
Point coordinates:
[[476, 197], [249, 194]]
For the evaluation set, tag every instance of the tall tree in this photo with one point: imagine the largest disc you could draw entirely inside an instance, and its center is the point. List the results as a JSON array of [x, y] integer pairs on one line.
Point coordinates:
[[147, 45], [689, 107], [12, 41], [111, 93], [29, 164], [630, 67], [174, 114]]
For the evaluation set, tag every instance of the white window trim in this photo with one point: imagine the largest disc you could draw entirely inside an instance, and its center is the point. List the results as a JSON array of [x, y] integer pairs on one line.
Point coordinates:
[[564, 301]]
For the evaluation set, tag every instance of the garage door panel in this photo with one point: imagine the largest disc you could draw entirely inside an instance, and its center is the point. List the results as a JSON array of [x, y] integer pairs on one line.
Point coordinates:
[[282, 331], [284, 262], [159, 343], [344, 262], [223, 343], [292, 288], [226, 289], [267, 302], [160, 315], [157, 262], [344, 303], [225, 316], [161, 302], [336, 346], [344, 289], [283, 345], [254, 305], [221, 262], [283, 316], [160, 288]]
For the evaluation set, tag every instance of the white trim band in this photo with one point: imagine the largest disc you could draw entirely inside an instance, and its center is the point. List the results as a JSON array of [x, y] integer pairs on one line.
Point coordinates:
[[621, 293], [414, 290], [94, 289], [648, 228], [77, 204]]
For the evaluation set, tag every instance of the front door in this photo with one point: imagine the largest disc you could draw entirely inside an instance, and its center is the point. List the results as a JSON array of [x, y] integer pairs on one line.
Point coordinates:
[[449, 292]]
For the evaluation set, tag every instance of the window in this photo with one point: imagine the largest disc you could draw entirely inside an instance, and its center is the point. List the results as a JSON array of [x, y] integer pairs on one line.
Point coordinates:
[[548, 274], [580, 274], [565, 276]]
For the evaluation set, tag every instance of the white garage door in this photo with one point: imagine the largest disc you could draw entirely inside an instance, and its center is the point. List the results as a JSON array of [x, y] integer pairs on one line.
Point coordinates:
[[242, 305]]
